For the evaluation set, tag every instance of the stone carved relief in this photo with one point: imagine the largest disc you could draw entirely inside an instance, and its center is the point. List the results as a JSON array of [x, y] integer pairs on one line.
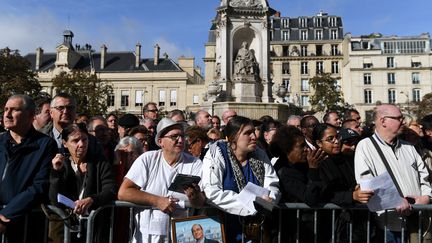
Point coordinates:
[[295, 52], [245, 62], [218, 68], [246, 3]]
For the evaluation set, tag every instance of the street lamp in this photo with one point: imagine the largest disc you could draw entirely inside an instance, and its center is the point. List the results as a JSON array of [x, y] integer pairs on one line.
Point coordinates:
[[407, 101]]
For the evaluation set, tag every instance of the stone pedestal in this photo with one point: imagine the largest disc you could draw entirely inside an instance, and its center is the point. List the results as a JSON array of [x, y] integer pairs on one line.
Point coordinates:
[[246, 89], [255, 110]]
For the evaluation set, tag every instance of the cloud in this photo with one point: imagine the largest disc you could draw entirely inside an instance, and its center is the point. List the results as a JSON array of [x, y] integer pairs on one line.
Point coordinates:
[[27, 32]]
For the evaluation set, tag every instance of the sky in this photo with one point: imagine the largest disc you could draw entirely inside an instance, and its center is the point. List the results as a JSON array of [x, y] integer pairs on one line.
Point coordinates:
[[180, 27]]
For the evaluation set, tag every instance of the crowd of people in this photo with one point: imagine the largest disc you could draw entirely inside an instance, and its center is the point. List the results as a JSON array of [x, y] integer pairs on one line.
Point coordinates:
[[48, 150]]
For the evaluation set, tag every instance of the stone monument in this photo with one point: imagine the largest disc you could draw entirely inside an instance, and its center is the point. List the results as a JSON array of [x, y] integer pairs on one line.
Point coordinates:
[[237, 59], [242, 47]]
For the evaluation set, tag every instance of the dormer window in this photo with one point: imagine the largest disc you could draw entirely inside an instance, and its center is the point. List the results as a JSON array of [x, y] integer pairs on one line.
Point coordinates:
[[303, 35], [303, 22], [285, 23], [332, 21], [285, 35], [318, 34], [318, 22], [333, 34]]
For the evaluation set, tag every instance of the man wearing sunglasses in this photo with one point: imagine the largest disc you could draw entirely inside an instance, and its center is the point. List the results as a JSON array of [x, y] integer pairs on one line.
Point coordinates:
[[150, 176]]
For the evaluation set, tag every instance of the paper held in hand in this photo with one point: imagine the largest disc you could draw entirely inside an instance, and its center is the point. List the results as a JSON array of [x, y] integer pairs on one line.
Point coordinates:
[[386, 195], [65, 201], [249, 193]]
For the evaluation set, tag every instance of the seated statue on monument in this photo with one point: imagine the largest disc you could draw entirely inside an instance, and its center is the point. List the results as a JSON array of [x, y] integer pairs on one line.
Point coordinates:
[[245, 62]]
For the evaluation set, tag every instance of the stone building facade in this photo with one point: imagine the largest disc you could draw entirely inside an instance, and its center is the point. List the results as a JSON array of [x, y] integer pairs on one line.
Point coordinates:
[[136, 80], [386, 69], [301, 48]]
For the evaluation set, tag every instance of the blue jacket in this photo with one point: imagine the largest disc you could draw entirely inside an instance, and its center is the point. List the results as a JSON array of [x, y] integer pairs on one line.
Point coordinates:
[[24, 172]]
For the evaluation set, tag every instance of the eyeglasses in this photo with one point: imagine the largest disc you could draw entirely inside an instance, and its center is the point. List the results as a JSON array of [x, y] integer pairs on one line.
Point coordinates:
[[153, 110], [332, 139], [61, 108], [175, 137], [399, 118], [190, 144]]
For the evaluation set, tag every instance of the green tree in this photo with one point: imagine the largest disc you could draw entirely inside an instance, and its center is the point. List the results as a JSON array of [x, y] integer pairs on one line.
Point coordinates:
[[424, 107], [16, 76], [90, 92], [327, 94]]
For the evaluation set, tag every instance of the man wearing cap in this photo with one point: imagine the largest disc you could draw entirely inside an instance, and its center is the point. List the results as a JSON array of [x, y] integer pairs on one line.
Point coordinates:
[[150, 176], [126, 123], [349, 140]]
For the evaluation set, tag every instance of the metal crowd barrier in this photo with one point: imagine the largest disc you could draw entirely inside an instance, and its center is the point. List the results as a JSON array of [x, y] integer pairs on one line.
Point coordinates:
[[87, 223], [300, 207]]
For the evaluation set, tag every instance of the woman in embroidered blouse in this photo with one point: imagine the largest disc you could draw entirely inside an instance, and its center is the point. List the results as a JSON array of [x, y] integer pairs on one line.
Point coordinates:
[[229, 166]]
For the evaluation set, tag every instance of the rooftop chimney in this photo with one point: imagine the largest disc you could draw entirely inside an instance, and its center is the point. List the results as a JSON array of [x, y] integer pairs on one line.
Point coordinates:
[[39, 54], [103, 55], [156, 54], [137, 55]]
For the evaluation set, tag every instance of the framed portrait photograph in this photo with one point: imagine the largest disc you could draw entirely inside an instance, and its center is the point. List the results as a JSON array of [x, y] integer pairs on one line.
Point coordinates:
[[203, 229]]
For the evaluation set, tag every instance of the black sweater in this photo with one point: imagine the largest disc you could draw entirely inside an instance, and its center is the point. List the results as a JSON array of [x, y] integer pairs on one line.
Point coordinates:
[[299, 183], [99, 182], [337, 174]]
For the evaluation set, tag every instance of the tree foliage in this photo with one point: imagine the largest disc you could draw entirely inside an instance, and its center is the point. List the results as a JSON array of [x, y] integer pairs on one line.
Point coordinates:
[[424, 107], [16, 76], [90, 92], [328, 94]]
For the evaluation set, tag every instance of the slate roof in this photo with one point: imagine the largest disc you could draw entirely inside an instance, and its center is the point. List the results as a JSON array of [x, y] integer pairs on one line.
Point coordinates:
[[114, 62]]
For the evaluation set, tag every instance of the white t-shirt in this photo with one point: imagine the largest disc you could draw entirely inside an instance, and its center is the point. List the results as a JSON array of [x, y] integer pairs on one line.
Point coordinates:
[[154, 175]]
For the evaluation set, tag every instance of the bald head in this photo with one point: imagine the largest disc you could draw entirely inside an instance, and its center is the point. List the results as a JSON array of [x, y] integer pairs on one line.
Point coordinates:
[[388, 122], [227, 115], [385, 110]]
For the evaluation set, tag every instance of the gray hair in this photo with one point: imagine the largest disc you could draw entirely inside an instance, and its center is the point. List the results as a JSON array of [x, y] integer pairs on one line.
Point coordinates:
[[293, 117], [136, 144], [28, 103], [64, 96]]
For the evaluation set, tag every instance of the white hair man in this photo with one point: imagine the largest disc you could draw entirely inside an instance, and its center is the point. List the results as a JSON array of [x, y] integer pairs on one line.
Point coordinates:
[[294, 120], [203, 119], [227, 115]]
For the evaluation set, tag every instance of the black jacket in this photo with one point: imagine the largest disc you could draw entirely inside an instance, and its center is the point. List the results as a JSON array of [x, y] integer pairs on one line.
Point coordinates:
[[98, 183], [26, 172], [337, 174], [299, 183]]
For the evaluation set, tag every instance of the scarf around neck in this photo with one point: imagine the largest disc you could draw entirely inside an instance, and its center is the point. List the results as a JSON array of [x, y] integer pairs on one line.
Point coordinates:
[[256, 165]]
